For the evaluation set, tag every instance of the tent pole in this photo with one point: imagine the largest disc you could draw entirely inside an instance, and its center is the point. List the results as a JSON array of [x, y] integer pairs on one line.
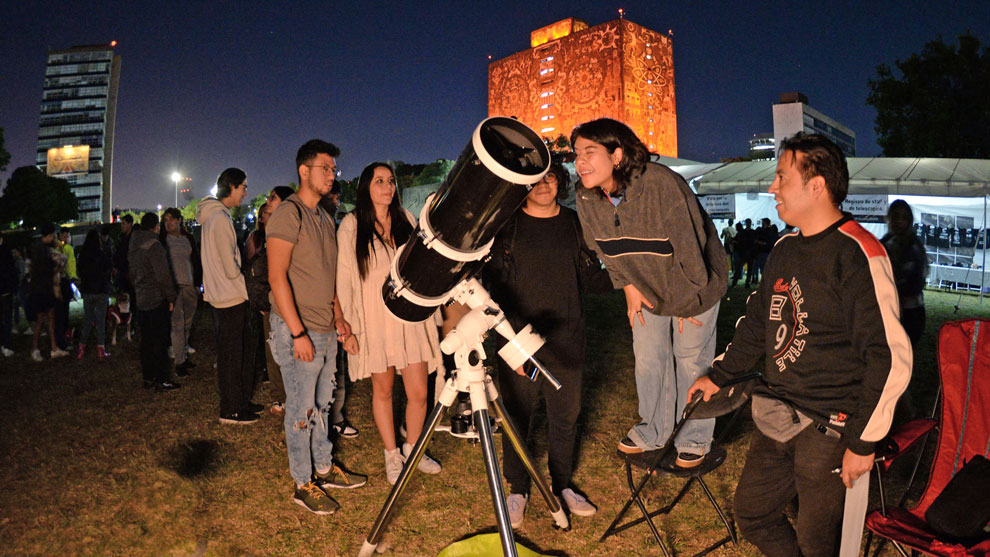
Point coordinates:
[[983, 274]]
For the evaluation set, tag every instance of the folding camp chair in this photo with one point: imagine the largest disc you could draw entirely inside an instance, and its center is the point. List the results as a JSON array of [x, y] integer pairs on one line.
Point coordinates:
[[964, 431], [730, 398]]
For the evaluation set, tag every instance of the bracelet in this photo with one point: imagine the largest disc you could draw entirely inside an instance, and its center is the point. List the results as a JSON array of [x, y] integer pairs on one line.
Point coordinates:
[[301, 334]]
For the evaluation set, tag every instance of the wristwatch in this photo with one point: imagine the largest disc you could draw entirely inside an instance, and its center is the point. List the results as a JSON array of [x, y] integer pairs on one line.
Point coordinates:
[[301, 334]]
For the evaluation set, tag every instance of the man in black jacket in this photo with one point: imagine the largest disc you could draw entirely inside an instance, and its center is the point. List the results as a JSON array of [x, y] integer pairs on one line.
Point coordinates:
[[155, 293], [825, 316]]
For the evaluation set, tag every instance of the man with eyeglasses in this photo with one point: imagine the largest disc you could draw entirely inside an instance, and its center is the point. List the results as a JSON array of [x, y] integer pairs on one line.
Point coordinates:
[[306, 321], [225, 290]]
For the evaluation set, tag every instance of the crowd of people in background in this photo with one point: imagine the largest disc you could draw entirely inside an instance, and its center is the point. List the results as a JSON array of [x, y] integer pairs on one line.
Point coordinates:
[[297, 302]]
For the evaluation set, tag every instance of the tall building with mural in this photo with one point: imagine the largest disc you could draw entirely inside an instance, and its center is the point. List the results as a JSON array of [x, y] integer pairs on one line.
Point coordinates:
[[75, 136], [573, 73]]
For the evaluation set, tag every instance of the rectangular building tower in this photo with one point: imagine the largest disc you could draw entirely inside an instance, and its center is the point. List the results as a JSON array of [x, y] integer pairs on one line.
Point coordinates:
[[75, 137], [574, 73], [792, 115]]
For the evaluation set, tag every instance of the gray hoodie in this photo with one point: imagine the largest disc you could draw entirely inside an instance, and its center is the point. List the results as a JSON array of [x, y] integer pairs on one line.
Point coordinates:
[[658, 239], [148, 266], [223, 282]]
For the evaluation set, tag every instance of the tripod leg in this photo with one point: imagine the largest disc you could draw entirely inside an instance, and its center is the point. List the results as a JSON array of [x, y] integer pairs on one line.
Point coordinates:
[[508, 430], [378, 529], [484, 428]]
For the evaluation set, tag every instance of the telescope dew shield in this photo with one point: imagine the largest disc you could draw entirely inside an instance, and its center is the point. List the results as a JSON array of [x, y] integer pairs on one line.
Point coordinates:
[[487, 184]]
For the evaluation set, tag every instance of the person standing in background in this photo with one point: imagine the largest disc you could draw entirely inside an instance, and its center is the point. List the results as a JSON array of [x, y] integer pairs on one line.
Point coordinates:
[[186, 271]]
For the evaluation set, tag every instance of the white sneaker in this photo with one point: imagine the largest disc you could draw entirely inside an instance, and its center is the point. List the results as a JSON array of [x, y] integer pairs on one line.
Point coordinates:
[[517, 508], [7, 352], [28, 331], [426, 464], [393, 465], [36, 355], [577, 504], [190, 350], [59, 353]]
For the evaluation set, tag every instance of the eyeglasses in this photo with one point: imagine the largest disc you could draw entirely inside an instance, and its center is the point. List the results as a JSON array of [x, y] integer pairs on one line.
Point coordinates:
[[327, 169], [550, 178]]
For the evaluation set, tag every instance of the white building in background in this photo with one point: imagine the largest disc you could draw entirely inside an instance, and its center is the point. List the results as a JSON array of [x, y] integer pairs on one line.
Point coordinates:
[[792, 115], [75, 135]]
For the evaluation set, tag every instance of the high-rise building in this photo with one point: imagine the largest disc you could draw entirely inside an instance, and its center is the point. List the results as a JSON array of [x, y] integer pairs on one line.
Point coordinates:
[[573, 73], [75, 136], [792, 115], [761, 147]]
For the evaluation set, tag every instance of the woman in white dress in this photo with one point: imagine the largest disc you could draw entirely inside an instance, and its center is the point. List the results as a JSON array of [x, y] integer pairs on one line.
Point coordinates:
[[381, 344]]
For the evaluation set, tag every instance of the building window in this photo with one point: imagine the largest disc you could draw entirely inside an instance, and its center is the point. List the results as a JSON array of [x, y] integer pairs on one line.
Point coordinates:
[[545, 130]]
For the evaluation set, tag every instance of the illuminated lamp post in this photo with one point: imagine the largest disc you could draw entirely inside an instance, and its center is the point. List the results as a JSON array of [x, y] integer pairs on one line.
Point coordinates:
[[175, 178]]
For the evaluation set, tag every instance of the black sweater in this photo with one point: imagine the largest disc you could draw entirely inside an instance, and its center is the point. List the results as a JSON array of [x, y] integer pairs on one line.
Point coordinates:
[[826, 317]]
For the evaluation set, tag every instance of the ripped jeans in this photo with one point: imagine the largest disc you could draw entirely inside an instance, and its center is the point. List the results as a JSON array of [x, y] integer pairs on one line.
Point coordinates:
[[308, 394]]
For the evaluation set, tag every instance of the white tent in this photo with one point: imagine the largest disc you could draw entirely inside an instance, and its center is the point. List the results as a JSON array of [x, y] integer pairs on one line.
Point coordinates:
[[941, 191]]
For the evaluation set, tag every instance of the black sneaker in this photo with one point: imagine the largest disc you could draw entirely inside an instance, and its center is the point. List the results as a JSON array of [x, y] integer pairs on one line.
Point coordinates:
[[165, 386], [239, 418], [689, 460], [255, 408], [339, 478], [627, 446], [345, 429], [314, 500]]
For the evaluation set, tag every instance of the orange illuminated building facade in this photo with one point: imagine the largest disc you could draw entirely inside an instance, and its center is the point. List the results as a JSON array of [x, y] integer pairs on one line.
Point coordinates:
[[573, 73]]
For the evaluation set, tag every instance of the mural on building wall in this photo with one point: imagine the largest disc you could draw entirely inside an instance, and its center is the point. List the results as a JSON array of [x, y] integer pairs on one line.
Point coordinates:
[[617, 69]]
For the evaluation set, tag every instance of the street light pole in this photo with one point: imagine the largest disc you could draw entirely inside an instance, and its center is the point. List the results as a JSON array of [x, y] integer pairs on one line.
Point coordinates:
[[175, 178]]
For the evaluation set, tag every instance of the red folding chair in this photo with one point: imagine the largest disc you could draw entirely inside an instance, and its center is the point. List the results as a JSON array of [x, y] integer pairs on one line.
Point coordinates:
[[964, 431]]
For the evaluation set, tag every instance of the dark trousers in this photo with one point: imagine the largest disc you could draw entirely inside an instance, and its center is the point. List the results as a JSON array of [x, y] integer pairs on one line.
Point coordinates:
[[62, 314], [774, 474], [6, 318], [276, 388], [235, 357], [156, 324], [520, 396], [913, 321]]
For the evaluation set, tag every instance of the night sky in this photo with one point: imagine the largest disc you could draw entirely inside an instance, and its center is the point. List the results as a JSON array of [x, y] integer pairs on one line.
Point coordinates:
[[207, 85]]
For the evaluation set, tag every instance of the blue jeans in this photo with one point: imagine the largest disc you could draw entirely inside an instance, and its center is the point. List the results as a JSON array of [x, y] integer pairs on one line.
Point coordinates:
[[94, 313], [667, 363], [308, 394]]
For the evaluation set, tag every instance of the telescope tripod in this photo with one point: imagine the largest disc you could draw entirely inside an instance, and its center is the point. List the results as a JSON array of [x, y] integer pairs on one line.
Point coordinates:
[[475, 381]]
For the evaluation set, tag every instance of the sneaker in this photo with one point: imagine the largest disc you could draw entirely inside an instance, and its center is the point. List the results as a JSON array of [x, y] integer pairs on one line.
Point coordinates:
[[239, 418], [7, 352], [255, 408], [426, 464], [517, 508], [28, 331], [36, 355], [101, 353], [339, 478], [689, 460], [393, 465], [627, 446], [345, 429], [190, 350], [277, 408], [59, 353], [314, 500], [166, 386], [577, 503]]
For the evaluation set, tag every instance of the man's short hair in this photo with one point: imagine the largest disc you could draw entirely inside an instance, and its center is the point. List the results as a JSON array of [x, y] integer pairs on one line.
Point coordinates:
[[128, 218], [228, 180], [173, 212], [822, 157], [149, 221], [311, 149]]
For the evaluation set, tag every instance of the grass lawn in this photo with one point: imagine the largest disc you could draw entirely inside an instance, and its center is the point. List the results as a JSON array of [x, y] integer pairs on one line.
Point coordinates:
[[94, 464]]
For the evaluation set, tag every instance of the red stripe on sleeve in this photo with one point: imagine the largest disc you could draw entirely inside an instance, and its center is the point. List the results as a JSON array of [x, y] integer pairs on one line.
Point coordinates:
[[871, 246]]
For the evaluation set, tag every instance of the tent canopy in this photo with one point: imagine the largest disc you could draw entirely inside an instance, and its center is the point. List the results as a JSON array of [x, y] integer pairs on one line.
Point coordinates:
[[867, 175]]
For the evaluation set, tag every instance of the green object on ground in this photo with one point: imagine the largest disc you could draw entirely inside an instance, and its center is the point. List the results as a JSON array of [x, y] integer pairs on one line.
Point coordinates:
[[483, 545]]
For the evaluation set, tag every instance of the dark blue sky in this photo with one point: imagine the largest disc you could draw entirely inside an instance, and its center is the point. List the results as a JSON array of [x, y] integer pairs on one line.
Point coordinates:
[[207, 85]]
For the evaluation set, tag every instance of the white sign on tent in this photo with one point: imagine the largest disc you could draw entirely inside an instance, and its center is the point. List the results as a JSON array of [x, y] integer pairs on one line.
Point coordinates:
[[719, 206], [866, 208]]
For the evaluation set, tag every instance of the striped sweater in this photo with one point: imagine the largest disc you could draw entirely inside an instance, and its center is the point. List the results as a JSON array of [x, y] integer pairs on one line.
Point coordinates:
[[826, 316]]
